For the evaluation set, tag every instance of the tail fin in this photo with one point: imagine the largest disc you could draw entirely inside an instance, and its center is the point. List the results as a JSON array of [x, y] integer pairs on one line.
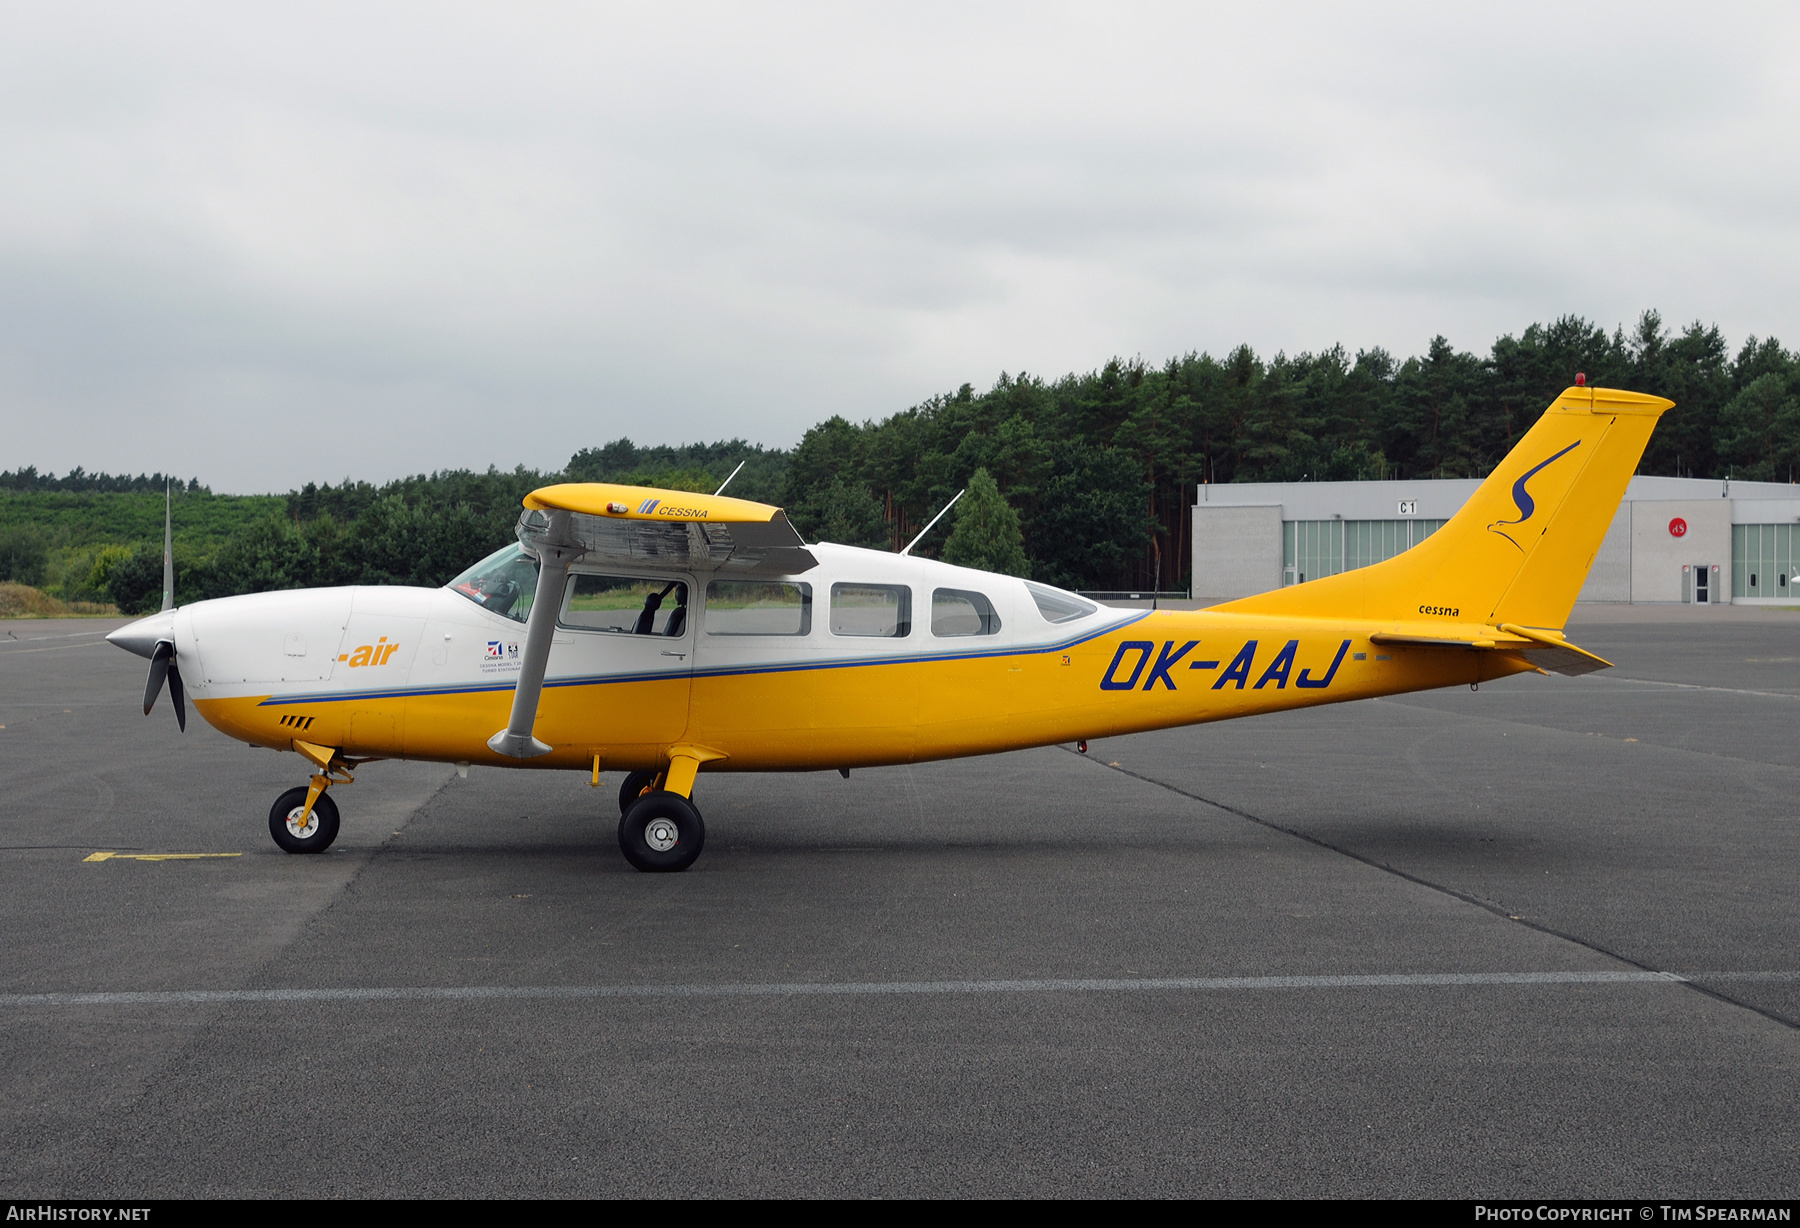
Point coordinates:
[[1520, 548]]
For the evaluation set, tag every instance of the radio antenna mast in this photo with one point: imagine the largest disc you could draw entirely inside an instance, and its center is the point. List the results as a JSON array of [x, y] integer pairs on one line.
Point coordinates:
[[922, 532], [727, 481]]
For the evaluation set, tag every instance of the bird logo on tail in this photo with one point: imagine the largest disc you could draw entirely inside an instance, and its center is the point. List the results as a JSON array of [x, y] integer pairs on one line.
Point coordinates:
[[1523, 500]]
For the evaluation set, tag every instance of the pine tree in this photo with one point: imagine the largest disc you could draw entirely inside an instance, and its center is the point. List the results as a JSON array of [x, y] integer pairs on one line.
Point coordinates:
[[987, 531]]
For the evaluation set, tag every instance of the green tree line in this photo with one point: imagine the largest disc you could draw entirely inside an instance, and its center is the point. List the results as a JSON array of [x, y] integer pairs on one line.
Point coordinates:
[[88, 544], [1081, 481], [79, 479], [1101, 467]]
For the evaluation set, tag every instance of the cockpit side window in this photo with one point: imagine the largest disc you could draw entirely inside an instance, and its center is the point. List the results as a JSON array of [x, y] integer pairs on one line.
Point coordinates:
[[958, 611], [502, 583], [625, 605]]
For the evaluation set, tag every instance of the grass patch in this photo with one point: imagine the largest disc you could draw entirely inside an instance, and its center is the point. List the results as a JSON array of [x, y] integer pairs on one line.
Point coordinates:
[[23, 601]]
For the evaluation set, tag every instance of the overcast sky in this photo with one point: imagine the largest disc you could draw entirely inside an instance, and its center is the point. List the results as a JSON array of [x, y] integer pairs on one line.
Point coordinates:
[[269, 244]]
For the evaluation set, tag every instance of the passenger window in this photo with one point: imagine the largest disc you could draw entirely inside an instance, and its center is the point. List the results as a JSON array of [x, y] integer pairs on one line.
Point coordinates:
[[748, 607], [957, 611], [871, 609], [1057, 606], [625, 605]]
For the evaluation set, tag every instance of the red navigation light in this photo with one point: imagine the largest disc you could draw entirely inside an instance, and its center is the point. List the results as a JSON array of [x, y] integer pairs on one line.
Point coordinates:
[[1581, 379]]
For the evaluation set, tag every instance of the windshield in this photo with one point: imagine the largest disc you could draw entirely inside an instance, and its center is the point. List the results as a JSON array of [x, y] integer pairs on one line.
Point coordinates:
[[502, 583]]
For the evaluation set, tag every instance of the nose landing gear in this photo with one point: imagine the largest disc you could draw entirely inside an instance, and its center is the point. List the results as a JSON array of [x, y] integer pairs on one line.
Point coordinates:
[[305, 819], [298, 829]]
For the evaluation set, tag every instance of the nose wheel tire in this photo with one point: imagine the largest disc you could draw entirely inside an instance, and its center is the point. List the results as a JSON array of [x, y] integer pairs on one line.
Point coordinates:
[[633, 788], [315, 834], [661, 832]]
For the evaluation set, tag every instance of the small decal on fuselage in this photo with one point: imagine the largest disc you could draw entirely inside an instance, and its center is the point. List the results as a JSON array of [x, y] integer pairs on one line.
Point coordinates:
[[1447, 611], [500, 656]]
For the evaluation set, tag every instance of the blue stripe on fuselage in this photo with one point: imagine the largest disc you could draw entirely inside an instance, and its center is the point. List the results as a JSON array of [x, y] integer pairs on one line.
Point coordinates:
[[723, 672]]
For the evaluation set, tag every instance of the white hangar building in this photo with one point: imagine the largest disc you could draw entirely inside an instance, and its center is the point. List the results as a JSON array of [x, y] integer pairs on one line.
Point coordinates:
[[1674, 539]]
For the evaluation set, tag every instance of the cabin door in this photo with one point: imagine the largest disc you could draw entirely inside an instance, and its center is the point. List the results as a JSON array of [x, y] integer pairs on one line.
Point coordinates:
[[622, 662]]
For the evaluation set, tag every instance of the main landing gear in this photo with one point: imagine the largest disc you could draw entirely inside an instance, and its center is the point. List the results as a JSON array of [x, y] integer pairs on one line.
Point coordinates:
[[660, 831]]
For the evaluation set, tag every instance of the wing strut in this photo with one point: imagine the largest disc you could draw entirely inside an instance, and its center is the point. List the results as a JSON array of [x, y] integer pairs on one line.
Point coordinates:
[[556, 549]]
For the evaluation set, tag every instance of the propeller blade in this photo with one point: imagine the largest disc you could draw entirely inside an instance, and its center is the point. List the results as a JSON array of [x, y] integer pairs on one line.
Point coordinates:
[[177, 695], [159, 669]]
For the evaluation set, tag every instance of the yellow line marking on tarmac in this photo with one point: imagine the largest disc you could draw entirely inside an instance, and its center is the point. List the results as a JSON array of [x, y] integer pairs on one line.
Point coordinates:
[[19, 652], [34, 719], [154, 856]]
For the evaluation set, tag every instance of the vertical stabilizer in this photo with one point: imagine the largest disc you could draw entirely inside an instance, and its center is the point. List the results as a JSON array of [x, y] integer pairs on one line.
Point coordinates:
[[1520, 548]]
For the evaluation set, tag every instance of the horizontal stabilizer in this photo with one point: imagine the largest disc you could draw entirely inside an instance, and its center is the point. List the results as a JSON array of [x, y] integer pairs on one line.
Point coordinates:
[[1549, 651], [1545, 649]]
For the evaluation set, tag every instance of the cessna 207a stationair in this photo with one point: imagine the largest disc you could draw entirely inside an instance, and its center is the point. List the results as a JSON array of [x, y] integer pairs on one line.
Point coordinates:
[[665, 634]]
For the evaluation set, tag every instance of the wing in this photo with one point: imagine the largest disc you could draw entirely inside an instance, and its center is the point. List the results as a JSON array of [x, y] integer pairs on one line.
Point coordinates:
[[670, 530], [647, 529]]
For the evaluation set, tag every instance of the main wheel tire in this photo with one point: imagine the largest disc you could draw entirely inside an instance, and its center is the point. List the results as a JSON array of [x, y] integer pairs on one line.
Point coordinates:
[[662, 832], [633, 788], [321, 825]]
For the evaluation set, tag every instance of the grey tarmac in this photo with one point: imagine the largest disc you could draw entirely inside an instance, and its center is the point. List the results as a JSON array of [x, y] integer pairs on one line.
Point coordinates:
[[1539, 940]]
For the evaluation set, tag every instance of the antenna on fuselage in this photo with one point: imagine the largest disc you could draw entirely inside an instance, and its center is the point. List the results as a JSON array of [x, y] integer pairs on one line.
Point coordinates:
[[168, 545], [922, 532], [727, 481]]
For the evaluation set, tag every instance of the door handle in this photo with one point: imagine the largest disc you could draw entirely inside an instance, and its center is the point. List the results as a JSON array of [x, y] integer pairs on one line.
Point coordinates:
[[667, 653]]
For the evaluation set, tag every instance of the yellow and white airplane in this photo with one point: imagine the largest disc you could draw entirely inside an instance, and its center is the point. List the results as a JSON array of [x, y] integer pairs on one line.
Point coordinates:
[[664, 634]]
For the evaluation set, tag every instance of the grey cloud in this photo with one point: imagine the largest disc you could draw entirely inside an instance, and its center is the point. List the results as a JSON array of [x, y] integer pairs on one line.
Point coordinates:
[[463, 235]]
